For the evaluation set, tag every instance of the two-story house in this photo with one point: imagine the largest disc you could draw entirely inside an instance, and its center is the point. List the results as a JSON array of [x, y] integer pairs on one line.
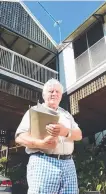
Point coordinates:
[[29, 57], [82, 70]]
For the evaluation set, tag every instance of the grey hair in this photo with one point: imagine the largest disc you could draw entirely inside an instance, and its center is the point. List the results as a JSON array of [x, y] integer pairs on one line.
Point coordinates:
[[51, 82]]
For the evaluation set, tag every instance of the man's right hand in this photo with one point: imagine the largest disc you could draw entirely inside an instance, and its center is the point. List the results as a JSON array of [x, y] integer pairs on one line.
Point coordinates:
[[49, 142], [26, 140]]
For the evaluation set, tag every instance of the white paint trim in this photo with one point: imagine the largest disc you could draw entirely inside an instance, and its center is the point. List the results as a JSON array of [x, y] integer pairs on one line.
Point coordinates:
[[28, 59], [21, 78], [85, 79]]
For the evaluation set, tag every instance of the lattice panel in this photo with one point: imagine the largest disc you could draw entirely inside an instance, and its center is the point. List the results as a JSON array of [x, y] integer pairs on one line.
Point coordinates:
[[85, 91], [17, 90], [15, 17]]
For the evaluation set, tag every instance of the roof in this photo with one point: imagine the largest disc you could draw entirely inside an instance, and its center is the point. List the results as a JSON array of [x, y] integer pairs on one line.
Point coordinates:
[[101, 10], [38, 23]]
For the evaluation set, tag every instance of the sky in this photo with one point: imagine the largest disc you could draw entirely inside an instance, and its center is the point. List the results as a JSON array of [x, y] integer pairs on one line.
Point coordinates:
[[72, 14]]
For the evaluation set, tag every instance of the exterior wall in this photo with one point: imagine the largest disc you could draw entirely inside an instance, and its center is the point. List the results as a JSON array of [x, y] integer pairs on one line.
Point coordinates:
[[67, 67], [67, 71], [86, 90]]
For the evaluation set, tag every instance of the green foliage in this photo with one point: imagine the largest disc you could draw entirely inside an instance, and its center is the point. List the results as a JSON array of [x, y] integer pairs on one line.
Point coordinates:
[[18, 176], [91, 169], [17, 173], [3, 161]]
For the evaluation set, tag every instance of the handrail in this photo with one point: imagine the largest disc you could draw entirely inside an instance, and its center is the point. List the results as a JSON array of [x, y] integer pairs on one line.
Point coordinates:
[[24, 66], [90, 47], [90, 59]]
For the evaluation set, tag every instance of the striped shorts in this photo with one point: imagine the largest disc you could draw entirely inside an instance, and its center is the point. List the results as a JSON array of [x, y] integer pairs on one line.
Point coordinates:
[[47, 175]]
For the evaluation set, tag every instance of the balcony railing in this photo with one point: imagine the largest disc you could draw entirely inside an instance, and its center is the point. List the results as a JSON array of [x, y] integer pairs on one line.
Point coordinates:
[[20, 65], [91, 58]]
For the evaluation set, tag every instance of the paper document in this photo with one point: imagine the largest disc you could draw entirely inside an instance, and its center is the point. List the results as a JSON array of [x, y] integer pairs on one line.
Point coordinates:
[[39, 118]]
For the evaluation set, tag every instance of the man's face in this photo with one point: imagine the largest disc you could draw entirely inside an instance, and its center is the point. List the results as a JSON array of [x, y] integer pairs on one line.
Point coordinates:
[[52, 96]]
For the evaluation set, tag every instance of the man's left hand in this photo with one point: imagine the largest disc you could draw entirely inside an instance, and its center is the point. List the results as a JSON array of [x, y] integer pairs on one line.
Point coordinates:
[[55, 129]]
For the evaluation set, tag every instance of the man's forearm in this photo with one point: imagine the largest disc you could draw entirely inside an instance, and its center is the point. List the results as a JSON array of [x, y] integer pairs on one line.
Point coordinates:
[[75, 135], [71, 134], [64, 131], [26, 140]]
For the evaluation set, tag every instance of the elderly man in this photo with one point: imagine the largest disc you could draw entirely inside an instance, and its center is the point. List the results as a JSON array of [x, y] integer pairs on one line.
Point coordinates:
[[51, 169]]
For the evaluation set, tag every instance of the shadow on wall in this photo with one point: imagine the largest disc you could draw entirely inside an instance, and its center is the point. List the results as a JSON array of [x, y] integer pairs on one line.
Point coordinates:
[[61, 70], [65, 102]]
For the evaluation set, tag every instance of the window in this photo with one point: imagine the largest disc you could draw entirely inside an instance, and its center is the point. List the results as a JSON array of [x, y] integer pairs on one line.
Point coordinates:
[[80, 45], [95, 33]]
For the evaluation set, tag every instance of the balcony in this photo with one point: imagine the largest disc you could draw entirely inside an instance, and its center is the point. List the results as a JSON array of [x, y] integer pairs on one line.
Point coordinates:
[[91, 59], [23, 69]]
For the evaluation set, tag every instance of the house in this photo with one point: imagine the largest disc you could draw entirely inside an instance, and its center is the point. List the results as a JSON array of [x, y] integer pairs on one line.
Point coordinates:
[[82, 71], [29, 57]]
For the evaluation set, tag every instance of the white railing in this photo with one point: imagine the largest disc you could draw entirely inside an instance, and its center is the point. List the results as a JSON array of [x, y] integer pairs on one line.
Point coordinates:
[[24, 66], [91, 58]]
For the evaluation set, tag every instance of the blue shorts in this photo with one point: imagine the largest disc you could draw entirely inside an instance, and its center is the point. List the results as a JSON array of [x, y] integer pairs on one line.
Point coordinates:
[[47, 175]]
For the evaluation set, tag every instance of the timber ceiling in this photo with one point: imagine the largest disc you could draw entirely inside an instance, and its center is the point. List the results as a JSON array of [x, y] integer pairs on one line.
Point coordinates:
[[24, 47]]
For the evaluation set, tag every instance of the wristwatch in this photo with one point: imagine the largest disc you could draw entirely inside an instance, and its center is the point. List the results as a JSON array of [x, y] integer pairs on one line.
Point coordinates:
[[67, 134]]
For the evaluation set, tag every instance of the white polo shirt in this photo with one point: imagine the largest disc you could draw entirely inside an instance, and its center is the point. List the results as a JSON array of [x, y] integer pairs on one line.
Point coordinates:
[[64, 146]]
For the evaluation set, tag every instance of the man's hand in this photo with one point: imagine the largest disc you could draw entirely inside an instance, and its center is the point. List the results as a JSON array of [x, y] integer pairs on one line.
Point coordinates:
[[53, 129], [49, 142], [57, 130], [26, 140]]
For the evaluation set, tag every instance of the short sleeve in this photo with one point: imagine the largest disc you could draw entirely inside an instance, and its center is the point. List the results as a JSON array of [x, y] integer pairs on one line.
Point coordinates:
[[74, 125], [67, 119], [24, 126]]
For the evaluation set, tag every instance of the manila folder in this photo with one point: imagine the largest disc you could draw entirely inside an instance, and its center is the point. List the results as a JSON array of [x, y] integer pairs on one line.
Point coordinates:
[[38, 122]]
